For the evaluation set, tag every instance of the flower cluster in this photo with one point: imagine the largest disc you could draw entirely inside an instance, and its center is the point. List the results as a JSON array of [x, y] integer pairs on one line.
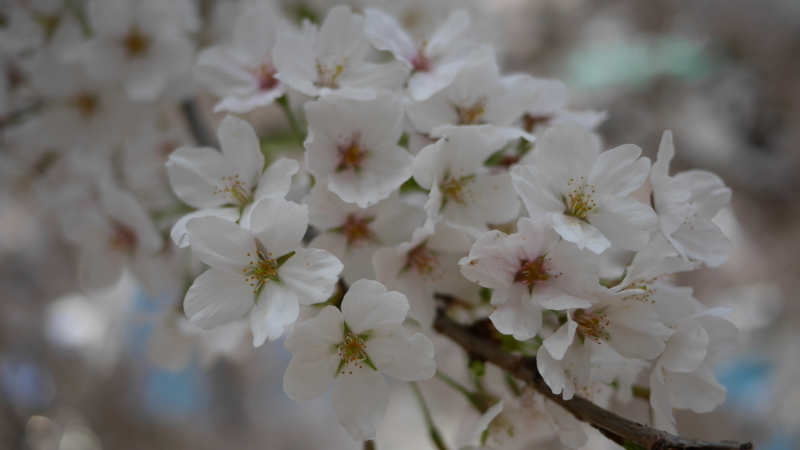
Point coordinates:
[[429, 179]]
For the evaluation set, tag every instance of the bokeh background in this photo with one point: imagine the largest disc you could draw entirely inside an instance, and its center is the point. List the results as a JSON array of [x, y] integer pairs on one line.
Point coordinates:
[[724, 76]]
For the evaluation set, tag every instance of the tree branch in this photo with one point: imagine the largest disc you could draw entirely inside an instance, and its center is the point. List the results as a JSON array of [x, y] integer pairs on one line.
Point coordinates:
[[616, 428]]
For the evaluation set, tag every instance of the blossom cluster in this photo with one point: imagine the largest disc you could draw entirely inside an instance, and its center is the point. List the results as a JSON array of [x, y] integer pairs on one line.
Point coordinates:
[[428, 179]]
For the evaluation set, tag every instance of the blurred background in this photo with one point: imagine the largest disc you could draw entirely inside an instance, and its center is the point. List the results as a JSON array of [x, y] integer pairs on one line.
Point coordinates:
[[724, 76]]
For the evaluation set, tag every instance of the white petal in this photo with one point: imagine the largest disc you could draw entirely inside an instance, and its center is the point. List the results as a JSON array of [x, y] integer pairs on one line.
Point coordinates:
[[635, 330], [360, 400], [221, 243], [581, 233], [179, 233], [618, 171], [323, 331], [311, 274], [279, 225], [686, 348], [558, 342], [491, 262], [276, 180], [517, 315], [395, 353], [276, 308], [218, 297], [310, 373], [384, 32], [537, 190], [703, 241], [241, 147], [367, 304], [195, 175], [625, 221], [699, 391]]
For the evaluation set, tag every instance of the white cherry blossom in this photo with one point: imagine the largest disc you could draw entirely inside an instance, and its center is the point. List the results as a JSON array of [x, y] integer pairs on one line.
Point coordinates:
[[139, 42], [352, 146], [317, 62], [222, 184], [587, 192], [530, 270], [350, 349], [243, 73], [462, 192], [435, 59], [261, 270], [686, 205], [477, 95], [426, 264], [353, 234]]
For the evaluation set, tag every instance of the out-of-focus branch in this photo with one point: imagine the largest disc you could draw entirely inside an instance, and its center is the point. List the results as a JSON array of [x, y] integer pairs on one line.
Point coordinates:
[[198, 127], [616, 428]]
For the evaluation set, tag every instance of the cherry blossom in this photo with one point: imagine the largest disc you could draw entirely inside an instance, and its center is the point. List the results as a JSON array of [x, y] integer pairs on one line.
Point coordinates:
[[243, 73], [352, 146], [435, 59], [353, 234], [585, 191], [462, 192], [317, 62], [259, 270], [685, 204], [350, 349]]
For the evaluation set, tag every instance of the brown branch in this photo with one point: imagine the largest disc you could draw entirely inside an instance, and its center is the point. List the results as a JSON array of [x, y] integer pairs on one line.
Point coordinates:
[[616, 428]]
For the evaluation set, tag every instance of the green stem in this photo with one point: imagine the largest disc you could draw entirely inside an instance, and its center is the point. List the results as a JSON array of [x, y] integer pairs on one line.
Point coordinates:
[[369, 445], [454, 384], [293, 123], [436, 437]]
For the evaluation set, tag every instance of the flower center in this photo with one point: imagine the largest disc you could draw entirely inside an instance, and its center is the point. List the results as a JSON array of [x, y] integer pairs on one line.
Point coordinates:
[[592, 325], [353, 349], [579, 201], [329, 73], [532, 272], [261, 271], [530, 122], [123, 238], [86, 103], [265, 76], [453, 190], [422, 260], [357, 231], [473, 114], [135, 43], [235, 190], [420, 62], [351, 155]]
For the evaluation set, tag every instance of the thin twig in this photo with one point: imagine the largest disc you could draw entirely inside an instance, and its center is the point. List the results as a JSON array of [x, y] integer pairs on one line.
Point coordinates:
[[616, 428], [434, 433], [199, 129]]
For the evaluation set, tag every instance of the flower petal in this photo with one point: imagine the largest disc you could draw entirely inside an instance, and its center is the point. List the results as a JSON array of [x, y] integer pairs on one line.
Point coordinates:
[[360, 400], [217, 297], [241, 147], [395, 353], [277, 307], [310, 373], [323, 331], [367, 305], [311, 274], [179, 233], [517, 315], [279, 225], [221, 243]]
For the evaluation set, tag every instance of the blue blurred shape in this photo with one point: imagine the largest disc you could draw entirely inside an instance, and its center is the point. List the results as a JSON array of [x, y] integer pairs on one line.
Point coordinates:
[[748, 380], [175, 394], [26, 384]]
